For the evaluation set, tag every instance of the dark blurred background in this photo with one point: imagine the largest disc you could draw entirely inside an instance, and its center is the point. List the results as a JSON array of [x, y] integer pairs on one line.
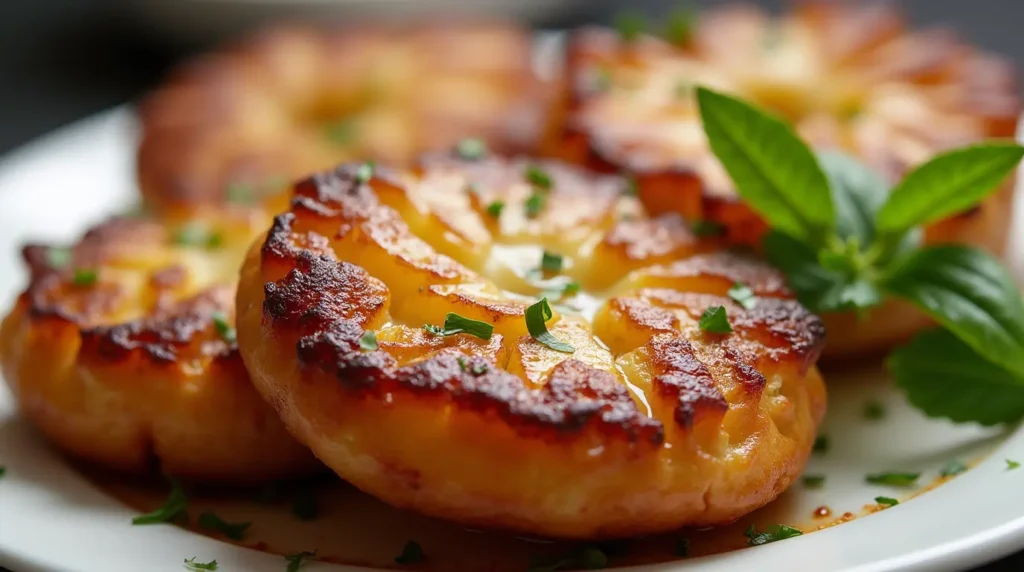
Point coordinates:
[[61, 60]]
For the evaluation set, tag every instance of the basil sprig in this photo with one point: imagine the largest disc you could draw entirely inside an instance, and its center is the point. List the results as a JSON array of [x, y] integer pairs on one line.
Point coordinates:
[[845, 242]]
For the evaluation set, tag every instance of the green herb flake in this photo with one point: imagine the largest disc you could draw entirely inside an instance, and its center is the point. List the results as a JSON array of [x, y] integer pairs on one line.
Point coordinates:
[[191, 564], [1011, 465], [456, 324], [550, 262], [874, 410], [58, 257], [814, 481], [679, 26], [197, 235], [224, 328], [173, 508], [772, 534], [479, 368], [495, 207], [886, 501], [3, 471], [953, 468], [537, 316], [296, 560], [593, 559], [412, 553], [682, 547], [706, 228], [368, 341], [821, 445], [714, 320], [342, 131], [630, 25], [471, 148], [571, 289], [462, 363], [538, 177], [85, 277], [232, 530], [534, 204], [305, 506], [743, 295], [365, 172], [893, 479]]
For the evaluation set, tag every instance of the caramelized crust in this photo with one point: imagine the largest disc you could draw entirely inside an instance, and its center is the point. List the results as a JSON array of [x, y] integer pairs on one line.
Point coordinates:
[[115, 351], [648, 425], [239, 124], [849, 77]]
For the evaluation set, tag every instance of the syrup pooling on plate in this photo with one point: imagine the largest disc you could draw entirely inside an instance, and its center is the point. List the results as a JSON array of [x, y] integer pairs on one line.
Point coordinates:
[[647, 423]]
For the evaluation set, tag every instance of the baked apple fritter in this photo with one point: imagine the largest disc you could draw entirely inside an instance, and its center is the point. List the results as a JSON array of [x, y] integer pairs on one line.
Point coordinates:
[[241, 123], [122, 352], [649, 423], [850, 78]]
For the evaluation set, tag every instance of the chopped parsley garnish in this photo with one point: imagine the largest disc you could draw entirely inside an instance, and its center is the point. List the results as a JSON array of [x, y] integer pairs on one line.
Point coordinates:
[[342, 131], [304, 506], [953, 468], [471, 148], [874, 410], [191, 564], [893, 479], [538, 177], [536, 317], [479, 368], [821, 445], [232, 530], [1011, 465], [682, 547], [462, 363], [85, 277], [365, 172], [412, 553], [630, 25], [57, 257], [3, 471], [743, 295], [679, 27], [224, 328], [706, 228], [814, 481], [534, 204], [550, 262], [495, 207], [368, 341], [772, 534], [456, 324], [195, 234], [173, 508], [571, 289], [714, 320], [886, 501], [296, 560]]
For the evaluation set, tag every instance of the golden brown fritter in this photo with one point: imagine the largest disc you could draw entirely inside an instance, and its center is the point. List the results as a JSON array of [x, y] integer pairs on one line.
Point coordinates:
[[122, 352], [649, 424], [241, 123], [849, 77]]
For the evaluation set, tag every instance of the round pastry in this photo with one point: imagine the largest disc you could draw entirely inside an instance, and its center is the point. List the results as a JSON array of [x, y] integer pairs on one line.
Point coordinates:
[[395, 320], [849, 78], [122, 352], [240, 124]]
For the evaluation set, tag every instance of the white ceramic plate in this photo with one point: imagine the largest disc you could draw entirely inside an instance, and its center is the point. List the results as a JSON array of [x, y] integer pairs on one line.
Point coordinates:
[[52, 518]]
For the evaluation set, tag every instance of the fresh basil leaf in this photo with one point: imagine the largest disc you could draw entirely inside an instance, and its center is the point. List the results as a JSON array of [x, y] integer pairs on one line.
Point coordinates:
[[814, 481], [368, 341], [772, 534], [971, 294], [1012, 465], [811, 283], [715, 320], [893, 478], [458, 324], [855, 295], [821, 445], [953, 468], [173, 508], [773, 170], [85, 277], [949, 183], [743, 295], [857, 193], [886, 501], [944, 377]]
